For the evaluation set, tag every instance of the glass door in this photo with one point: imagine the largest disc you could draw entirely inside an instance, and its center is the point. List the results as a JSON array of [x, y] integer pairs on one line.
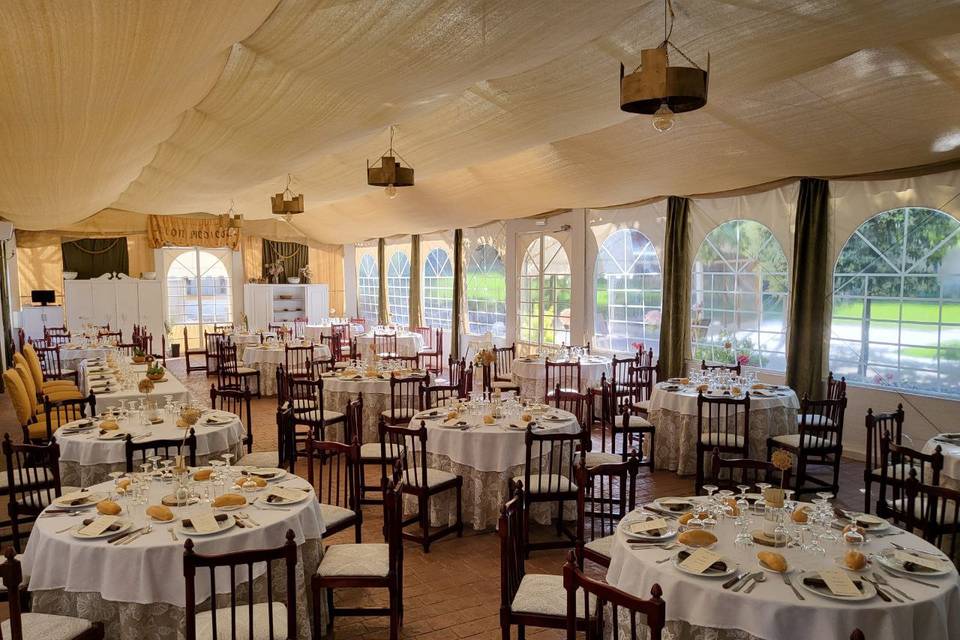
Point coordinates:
[[198, 291]]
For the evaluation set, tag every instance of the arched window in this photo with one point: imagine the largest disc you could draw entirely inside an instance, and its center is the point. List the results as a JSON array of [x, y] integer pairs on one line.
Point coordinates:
[[627, 311], [486, 292], [368, 289], [740, 283], [199, 294], [398, 288], [438, 289], [544, 316], [896, 302]]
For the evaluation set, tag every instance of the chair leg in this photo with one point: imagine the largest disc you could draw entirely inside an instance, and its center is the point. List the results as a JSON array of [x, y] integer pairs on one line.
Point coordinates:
[[394, 615], [698, 484], [317, 602], [425, 522], [521, 632], [866, 496], [504, 625], [460, 510], [330, 608]]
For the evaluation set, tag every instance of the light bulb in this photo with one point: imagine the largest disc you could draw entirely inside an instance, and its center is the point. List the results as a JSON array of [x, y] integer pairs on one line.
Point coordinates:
[[288, 218], [663, 118], [391, 191]]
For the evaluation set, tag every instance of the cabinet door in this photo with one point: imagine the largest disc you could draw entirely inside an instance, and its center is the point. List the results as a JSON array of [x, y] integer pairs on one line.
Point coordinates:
[[317, 306], [78, 303], [103, 296], [258, 305], [128, 307], [151, 309]]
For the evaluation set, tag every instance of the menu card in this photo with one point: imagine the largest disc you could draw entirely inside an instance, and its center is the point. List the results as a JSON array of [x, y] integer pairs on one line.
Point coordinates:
[[700, 560], [205, 523], [286, 494], [98, 526], [839, 583], [774, 496], [649, 525], [929, 563]]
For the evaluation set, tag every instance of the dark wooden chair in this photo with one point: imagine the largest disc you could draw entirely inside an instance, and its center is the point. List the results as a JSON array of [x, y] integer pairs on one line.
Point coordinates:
[[585, 594], [50, 365], [211, 343], [730, 368], [440, 395], [526, 599], [489, 383], [420, 481], [33, 481], [296, 361], [237, 402], [406, 399], [549, 477], [897, 464], [385, 344], [431, 357], [60, 412], [343, 335], [306, 397], [877, 424], [632, 430], [503, 358], [187, 352], [819, 443], [226, 618], [457, 374], [116, 337], [370, 452], [365, 566], [285, 455], [727, 473], [232, 375], [935, 512], [620, 382], [642, 377], [137, 452], [836, 389], [565, 375], [605, 494], [319, 366], [63, 627], [723, 424], [333, 470]]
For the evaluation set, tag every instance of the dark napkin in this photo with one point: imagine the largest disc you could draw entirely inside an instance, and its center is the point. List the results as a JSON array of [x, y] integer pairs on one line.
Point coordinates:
[[818, 583]]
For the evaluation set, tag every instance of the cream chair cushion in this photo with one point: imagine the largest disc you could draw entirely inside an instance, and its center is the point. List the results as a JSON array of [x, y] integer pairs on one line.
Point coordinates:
[[545, 595], [45, 626], [261, 622], [371, 451], [368, 559], [603, 545], [810, 442], [269, 459], [541, 483], [333, 515], [435, 477]]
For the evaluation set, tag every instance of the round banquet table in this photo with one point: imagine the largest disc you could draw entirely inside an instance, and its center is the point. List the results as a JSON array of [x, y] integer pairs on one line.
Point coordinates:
[[698, 607], [316, 331], [97, 377], [265, 359], [675, 415], [137, 589], [70, 356], [86, 460], [408, 344], [487, 456], [340, 389], [530, 374], [950, 448], [244, 339]]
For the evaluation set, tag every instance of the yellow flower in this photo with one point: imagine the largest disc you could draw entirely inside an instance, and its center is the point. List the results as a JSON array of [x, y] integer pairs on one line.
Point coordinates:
[[781, 459], [145, 386]]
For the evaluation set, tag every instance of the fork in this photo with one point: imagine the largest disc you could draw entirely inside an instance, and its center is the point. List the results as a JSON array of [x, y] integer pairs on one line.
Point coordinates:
[[789, 583], [246, 517], [878, 577], [139, 534]]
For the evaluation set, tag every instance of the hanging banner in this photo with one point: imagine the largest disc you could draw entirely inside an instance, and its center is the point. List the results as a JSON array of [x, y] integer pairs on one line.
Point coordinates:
[[193, 232]]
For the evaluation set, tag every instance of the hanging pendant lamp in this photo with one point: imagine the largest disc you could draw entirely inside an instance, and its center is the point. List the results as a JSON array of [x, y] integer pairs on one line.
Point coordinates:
[[282, 205], [390, 174]]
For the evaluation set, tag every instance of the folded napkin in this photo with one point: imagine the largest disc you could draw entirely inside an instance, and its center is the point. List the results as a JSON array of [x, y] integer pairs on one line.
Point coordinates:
[[818, 583], [719, 565], [220, 517]]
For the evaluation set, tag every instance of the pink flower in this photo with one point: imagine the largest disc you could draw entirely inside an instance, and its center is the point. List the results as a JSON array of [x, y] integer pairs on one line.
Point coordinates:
[[743, 359], [638, 346]]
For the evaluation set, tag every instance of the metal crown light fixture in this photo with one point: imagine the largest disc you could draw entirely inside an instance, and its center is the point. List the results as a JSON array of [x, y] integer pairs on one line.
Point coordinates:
[[390, 174], [281, 205], [655, 88]]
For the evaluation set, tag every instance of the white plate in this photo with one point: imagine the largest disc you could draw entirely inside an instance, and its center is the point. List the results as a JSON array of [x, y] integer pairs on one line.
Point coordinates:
[[92, 498], [262, 500], [764, 567], [218, 421], [647, 537], [234, 507], [875, 523], [554, 418], [256, 471], [664, 504], [731, 569], [895, 565], [427, 415], [124, 526], [869, 591], [113, 435], [227, 524]]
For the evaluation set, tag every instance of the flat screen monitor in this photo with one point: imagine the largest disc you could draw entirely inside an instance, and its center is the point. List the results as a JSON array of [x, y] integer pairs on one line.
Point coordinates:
[[43, 296]]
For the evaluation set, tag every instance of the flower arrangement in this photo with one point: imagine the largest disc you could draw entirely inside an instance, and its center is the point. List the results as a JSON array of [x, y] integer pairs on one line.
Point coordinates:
[[483, 358], [305, 274], [637, 346], [782, 460], [145, 386], [275, 270], [155, 372]]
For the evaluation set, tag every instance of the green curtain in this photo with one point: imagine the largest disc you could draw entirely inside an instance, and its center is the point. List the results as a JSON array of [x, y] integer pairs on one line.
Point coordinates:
[[457, 293], [809, 288], [292, 255], [416, 284], [383, 310], [93, 257], [675, 304]]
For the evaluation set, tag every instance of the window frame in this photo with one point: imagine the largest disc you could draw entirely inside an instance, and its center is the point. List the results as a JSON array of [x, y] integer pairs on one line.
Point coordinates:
[[398, 289], [475, 305], [537, 287], [437, 298], [368, 280]]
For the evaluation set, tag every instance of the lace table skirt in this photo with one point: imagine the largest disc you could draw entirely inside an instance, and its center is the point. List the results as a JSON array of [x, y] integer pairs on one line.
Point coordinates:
[[373, 405], [164, 621], [484, 492], [676, 439], [676, 630], [74, 474]]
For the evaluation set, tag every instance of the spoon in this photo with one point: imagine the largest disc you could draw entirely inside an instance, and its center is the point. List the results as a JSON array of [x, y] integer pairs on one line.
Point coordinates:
[[759, 578]]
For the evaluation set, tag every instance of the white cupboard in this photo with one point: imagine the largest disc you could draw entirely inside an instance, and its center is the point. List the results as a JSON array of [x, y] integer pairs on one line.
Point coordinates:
[[119, 303], [266, 304]]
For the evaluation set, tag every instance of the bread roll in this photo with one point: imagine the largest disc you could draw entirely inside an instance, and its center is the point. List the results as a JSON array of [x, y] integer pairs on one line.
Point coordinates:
[[800, 515], [773, 561], [854, 560], [488, 419], [759, 385], [108, 507], [160, 512], [242, 480], [697, 538], [109, 425], [703, 388], [203, 474], [734, 509], [230, 500], [122, 484], [687, 517]]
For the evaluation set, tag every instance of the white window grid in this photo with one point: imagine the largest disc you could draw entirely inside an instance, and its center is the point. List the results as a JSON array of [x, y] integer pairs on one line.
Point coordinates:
[[398, 289], [199, 291], [438, 290], [368, 289], [545, 293], [486, 292]]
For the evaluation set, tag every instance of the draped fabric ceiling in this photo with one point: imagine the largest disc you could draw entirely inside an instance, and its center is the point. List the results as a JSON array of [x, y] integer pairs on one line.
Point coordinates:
[[504, 108]]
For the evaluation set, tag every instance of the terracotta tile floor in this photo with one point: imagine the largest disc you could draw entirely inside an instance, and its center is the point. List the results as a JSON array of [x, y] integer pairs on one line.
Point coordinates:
[[454, 591]]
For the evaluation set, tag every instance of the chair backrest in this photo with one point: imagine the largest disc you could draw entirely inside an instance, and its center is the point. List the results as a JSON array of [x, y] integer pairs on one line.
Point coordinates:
[[406, 396], [211, 343], [299, 327], [33, 475], [440, 395], [620, 373], [58, 331], [897, 463], [111, 336], [342, 331], [333, 470], [50, 363], [306, 398], [821, 423], [566, 375], [413, 442], [354, 420], [627, 611], [456, 370], [551, 455], [427, 334], [605, 494], [641, 381], [235, 401], [322, 365], [297, 360], [512, 548], [286, 437], [55, 339], [282, 381], [503, 360], [836, 389], [223, 327], [11, 576], [333, 342], [60, 412], [579, 404], [239, 565], [137, 452], [727, 473], [935, 511], [385, 343], [732, 368], [877, 424], [727, 418]]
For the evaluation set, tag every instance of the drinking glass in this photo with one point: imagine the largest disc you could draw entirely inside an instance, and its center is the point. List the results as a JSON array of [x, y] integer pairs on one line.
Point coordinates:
[[116, 475]]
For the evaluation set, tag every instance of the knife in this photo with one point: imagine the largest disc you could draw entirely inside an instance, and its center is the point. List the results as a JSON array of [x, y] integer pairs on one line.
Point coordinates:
[[910, 578], [740, 585], [131, 538], [120, 536], [735, 579]]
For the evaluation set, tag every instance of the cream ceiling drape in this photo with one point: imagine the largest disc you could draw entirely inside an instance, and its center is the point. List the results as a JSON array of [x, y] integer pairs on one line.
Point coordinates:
[[504, 108]]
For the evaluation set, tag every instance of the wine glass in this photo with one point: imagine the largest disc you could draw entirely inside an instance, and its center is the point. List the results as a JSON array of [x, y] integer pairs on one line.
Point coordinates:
[[155, 461], [115, 476]]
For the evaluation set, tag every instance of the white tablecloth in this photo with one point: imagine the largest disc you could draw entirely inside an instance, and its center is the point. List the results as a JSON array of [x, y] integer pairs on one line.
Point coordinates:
[[100, 581], [950, 476], [171, 386], [531, 374], [700, 608], [70, 358], [675, 415], [86, 460], [337, 393], [487, 457], [315, 331], [266, 358], [408, 344], [242, 340]]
